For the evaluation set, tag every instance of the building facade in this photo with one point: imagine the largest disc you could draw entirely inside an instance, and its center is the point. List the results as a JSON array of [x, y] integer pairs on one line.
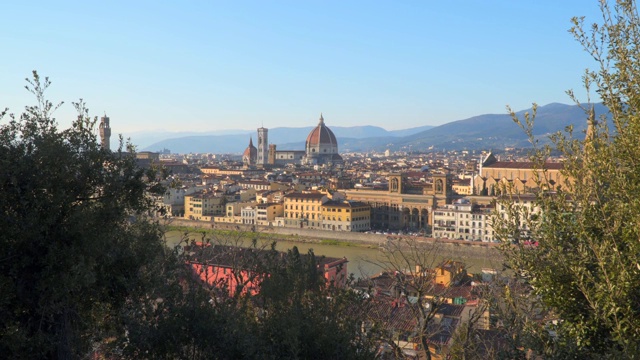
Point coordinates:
[[464, 220], [346, 216], [518, 177], [266, 214], [304, 210], [263, 146], [105, 132], [404, 205], [321, 148], [203, 206]]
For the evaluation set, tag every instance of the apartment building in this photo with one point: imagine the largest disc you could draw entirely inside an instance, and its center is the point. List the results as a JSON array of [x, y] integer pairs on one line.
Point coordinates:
[[346, 216], [203, 206], [463, 220], [266, 214], [304, 210]]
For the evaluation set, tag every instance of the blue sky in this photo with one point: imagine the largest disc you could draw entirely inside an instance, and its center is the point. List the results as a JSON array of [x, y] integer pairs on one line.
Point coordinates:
[[209, 65]]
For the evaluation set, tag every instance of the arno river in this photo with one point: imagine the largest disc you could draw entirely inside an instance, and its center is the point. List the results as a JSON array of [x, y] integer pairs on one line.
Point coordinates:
[[363, 261]]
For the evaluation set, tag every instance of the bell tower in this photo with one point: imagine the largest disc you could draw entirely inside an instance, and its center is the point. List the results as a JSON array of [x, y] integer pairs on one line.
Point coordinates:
[[263, 146], [395, 183], [442, 187], [105, 132]]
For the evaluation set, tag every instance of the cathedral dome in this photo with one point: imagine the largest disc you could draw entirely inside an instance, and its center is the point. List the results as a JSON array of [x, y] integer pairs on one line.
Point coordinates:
[[250, 154], [321, 135]]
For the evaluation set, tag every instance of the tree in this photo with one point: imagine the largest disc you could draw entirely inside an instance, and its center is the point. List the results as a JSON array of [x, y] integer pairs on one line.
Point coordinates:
[[266, 304], [412, 295], [73, 249], [586, 267], [84, 271]]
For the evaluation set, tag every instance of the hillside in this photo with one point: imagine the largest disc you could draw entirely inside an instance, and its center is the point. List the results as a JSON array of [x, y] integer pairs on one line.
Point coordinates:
[[499, 130], [282, 137], [479, 132]]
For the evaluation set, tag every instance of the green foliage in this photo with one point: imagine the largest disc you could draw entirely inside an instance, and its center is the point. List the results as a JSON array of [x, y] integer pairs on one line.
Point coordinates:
[[586, 269], [71, 251], [296, 315], [84, 272]]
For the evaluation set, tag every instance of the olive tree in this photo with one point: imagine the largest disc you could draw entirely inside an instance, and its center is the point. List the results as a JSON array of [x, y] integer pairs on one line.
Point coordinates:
[[586, 266]]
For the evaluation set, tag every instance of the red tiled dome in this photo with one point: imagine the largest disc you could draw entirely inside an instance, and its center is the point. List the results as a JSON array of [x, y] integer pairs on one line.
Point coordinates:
[[250, 152], [321, 134]]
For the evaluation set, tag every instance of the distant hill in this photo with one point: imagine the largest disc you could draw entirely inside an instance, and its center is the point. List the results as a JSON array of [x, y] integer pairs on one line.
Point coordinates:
[[146, 138], [489, 131], [499, 130], [410, 131], [282, 137]]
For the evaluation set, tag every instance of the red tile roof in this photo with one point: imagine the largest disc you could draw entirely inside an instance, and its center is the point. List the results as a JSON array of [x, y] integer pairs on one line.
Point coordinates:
[[523, 165]]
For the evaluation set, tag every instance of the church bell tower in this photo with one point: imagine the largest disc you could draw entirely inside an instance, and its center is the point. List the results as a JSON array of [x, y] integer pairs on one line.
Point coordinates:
[[263, 146]]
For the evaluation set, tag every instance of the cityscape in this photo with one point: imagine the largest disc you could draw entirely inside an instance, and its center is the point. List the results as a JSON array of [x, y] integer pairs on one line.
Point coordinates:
[[320, 181], [444, 199]]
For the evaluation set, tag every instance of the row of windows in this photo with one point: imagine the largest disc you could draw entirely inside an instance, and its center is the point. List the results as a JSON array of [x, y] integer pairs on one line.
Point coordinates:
[[347, 227], [302, 200], [313, 208], [294, 215]]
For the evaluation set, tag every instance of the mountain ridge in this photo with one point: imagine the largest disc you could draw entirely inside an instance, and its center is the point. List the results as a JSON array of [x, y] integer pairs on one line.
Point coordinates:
[[476, 132]]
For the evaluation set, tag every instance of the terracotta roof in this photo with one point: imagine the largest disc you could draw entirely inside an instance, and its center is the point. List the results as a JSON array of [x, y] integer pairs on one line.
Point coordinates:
[[251, 150], [321, 134], [305, 196], [523, 165], [233, 256], [344, 204], [398, 316]]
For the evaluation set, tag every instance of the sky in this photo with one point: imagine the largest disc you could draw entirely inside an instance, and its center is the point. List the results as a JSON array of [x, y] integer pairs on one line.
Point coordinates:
[[214, 65]]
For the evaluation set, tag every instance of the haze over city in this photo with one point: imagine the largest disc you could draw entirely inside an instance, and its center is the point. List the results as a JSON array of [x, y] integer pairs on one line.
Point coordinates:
[[200, 66]]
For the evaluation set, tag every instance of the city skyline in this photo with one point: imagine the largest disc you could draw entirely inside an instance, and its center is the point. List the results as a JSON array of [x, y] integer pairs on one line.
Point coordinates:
[[217, 66]]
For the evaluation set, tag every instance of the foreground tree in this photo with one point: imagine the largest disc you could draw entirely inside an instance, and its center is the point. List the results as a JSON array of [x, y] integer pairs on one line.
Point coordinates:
[[294, 314], [586, 267], [71, 250], [411, 296], [84, 273]]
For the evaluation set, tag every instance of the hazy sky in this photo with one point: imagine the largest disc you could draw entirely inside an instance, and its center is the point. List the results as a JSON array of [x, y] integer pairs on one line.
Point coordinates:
[[209, 65]]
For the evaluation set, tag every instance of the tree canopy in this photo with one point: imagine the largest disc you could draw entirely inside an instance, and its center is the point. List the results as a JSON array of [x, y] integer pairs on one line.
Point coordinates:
[[85, 272], [586, 267], [71, 249]]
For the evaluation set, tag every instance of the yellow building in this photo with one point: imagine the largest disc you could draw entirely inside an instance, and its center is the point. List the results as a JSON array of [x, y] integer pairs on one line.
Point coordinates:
[[346, 216], [404, 205], [450, 271], [214, 170], [267, 213], [203, 206], [462, 187], [304, 210]]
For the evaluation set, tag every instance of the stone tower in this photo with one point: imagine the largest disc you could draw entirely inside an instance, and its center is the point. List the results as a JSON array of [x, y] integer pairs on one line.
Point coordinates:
[[272, 154], [263, 146], [105, 132]]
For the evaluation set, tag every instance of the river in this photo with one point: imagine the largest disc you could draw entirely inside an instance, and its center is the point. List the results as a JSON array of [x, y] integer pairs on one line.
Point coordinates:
[[363, 261]]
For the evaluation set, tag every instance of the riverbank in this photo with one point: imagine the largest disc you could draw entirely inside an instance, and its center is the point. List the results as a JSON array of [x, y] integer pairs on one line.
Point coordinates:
[[336, 244], [266, 236], [314, 235]]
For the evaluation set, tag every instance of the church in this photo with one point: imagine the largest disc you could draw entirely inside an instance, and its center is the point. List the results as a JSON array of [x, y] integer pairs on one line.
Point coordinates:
[[321, 148]]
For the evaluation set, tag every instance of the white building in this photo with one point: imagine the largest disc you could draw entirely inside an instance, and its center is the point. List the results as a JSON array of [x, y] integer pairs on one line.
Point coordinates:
[[248, 215], [463, 221], [523, 206]]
